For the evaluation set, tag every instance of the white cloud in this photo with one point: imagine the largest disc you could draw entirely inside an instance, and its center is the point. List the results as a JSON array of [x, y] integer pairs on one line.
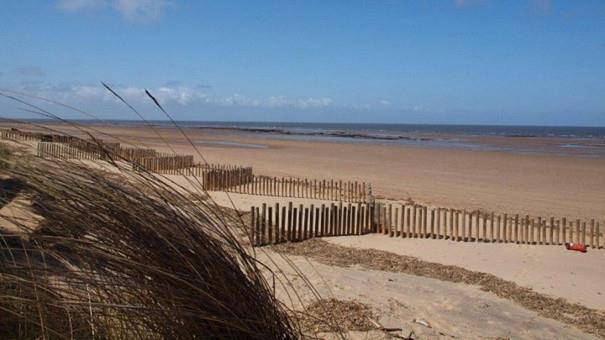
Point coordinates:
[[177, 95], [420, 108], [146, 9], [385, 102], [130, 9]]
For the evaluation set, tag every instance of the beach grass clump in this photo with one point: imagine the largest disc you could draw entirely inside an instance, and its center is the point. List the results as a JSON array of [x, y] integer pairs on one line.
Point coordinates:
[[124, 256], [5, 154]]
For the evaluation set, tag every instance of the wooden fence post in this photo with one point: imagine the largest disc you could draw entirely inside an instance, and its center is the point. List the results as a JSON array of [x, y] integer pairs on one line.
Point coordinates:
[[295, 225], [283, 225], [258, 228], [301, 213], [264, 223], [387, 219], [323, 221], [396, 224], [598, 232], [317, 229], [305, 229], [337, 218], [438, 229], [592, 238], [278, 235], [252, 231], [404, 220], [290, 223], [270, 224], [333, 220]]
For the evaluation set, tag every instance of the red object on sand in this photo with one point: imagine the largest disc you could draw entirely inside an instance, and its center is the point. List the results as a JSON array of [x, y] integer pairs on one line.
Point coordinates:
[[576, 246]]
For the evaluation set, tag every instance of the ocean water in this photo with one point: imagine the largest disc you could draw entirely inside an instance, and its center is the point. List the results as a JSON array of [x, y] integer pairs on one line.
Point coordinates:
[[585, 142], [559, 140], [404, 129]]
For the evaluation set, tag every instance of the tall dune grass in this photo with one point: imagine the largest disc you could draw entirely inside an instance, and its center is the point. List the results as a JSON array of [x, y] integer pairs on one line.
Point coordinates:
[[125, 255]]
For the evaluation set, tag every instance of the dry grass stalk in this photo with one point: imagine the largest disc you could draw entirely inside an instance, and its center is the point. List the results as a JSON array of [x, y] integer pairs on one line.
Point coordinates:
[[348, 315], [125, 256]]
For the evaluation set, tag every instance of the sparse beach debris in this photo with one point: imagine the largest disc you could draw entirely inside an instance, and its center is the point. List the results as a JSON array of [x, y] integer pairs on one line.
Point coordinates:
[[587, 319], [379, 326], [580, 247], [324, 315], [423, 322]]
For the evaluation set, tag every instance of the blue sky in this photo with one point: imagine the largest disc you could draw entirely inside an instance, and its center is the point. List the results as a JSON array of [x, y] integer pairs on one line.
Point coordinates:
[[535, 62]]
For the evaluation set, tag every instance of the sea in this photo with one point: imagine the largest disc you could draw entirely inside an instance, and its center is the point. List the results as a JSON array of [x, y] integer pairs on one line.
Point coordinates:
[[560, 140], [374, 129]]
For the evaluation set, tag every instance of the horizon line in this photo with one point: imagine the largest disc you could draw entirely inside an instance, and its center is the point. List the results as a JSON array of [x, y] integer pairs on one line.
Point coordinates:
[[305, 122]]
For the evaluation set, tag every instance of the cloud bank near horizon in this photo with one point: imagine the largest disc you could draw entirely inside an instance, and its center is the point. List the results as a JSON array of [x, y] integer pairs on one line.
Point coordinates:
[[198, 104], [171, 94]]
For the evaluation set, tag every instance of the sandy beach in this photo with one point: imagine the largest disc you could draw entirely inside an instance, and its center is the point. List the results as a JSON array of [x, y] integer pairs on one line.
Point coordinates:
[[504, 182], [546, 185], [550, 270], [175, 169]]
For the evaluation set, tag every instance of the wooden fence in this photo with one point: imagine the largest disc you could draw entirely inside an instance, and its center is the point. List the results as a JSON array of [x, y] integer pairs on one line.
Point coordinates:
[[95, 146], [476, 226], [332, 190], [84, 149], [136, 154], [90, 146], [214, 176], [16, 134], [227, 178], [275, 224], [65, 151], [417, 221], [235, 179], [172, 165]]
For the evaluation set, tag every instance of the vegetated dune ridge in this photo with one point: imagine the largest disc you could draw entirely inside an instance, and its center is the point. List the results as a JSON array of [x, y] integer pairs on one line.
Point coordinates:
[[118, 254]]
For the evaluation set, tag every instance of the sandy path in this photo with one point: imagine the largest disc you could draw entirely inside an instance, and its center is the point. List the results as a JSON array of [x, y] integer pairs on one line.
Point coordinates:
[[551, 270], [452, 309]]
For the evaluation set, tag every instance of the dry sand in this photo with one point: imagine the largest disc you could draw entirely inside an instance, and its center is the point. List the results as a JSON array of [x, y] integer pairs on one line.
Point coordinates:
[[551, 270], [453, 310]]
